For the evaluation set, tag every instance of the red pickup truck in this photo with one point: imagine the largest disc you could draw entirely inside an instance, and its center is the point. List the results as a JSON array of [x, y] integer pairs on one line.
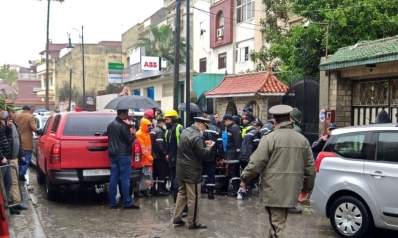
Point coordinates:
[[74, 150]]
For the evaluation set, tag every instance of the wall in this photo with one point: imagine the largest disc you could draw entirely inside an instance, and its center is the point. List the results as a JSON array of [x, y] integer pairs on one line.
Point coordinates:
[[103, 100], [25, 89], [96, 59]]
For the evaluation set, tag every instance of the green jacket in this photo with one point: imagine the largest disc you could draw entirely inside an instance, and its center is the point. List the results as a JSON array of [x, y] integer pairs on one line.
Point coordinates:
[[285, 161], [297, 128], [191, 154]]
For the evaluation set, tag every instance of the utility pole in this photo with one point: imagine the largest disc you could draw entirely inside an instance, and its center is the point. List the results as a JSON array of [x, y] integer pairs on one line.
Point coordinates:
[[47, 60], [187, 72], [84, 81], [176, 53], [70, 90]]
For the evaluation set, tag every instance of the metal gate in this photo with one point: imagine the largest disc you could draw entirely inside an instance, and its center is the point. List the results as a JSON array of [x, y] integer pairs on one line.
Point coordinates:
[[304, 95], [370, 97]]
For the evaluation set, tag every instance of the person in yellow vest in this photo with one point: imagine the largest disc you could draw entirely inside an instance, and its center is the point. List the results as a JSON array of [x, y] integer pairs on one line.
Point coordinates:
[[172, 139], [247, 120]]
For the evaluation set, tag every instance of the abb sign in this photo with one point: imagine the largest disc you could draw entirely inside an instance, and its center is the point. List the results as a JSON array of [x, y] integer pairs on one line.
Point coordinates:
[[150, 63]]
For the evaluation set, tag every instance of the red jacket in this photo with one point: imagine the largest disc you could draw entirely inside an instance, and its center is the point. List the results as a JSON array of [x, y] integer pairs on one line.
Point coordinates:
[[144, 139]]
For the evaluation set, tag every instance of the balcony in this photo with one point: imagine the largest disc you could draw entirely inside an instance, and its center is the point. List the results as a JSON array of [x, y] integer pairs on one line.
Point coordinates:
[[41, 68], [28, 76], [42, 93]]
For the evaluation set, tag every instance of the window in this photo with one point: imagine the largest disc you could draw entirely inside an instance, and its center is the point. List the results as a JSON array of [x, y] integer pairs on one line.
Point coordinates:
[[387, 147], [87, 125], [244, 10], [202, 65], [47, 125], [351, 145], [222, 61], [167, 90], [56, 123], [243, 50]]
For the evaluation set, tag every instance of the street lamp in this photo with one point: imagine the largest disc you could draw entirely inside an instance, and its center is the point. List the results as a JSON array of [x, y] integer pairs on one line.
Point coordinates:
[[327, 32], [70, 46]]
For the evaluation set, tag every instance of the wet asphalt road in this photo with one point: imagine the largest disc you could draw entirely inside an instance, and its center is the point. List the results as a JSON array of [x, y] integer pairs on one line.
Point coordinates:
[[83, 213]]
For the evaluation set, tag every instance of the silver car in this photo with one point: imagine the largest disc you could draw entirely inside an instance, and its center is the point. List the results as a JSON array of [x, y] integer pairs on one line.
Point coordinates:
[[357, 179]]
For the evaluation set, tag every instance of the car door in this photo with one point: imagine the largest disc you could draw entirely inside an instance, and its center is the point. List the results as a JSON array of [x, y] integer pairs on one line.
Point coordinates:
[[40, 145], [35, 137], [382, 175]]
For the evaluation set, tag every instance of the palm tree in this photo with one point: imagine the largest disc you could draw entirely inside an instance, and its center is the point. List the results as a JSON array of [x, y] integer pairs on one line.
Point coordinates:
[[161, 43]]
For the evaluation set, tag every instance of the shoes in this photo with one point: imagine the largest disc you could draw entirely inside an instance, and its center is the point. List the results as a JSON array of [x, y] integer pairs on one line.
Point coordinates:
[[242, 195], [22, 177], [147, 193], [14, 212], [114, 206], [178, 223], [231, 194], [197, 226], [295, 211], [210, 196], [20, 207], [132, 207], [138, 194]]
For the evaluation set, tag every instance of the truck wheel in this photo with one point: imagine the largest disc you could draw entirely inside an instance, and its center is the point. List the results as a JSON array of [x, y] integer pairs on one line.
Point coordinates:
[[350, 218], [41, 177], [51, 190]]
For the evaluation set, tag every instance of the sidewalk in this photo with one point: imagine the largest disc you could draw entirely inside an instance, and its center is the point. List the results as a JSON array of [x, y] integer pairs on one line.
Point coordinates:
[[27, 224]]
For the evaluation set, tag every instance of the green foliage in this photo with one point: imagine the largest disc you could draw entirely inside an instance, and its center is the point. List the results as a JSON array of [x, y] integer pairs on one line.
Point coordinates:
[[300, 49], [161, 44], [114, 88], [9, 75], [64, 89]]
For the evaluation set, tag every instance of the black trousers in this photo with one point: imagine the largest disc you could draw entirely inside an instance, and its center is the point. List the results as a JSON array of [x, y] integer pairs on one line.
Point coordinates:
[[160, 170], [210, 170], [234, 171]]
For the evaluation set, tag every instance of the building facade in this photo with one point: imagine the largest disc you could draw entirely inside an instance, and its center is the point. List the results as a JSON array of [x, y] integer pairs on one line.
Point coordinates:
[[359, 81]]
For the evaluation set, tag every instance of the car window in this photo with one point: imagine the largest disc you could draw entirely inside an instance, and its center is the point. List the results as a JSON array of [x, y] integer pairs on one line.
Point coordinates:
[[87, 124], [47, 125], [43, 121], [387, 147], [37, 122], [351, 145], [56, 123]]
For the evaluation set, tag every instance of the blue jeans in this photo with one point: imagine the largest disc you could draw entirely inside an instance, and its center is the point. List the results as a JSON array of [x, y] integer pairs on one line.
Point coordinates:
[[7, 179], [120, 169], [28, 159]]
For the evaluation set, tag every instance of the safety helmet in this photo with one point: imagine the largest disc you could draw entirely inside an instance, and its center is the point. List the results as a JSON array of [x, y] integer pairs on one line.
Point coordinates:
[[171, 113], [149, 114]]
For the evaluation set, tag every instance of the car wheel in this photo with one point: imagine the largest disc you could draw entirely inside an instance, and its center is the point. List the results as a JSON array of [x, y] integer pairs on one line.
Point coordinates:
[[41, 177], [51, 190], [349, 217]]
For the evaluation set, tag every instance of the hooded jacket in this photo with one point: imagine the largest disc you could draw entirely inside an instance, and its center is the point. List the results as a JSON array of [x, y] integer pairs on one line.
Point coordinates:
[[249, 144], [144, 139]]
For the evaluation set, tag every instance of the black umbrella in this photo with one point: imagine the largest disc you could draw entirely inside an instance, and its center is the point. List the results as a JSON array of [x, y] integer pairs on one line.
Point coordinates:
[[132, 102], [193, 107]]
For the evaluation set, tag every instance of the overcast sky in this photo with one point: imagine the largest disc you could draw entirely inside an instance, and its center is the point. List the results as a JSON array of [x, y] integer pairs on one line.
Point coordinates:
[[23, 23]]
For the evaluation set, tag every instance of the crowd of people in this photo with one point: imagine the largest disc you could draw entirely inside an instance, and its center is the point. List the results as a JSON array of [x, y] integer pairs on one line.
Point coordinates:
[[16, 139]]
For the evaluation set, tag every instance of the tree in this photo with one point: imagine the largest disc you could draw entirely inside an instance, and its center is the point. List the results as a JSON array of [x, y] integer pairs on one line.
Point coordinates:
[[161, 43], [9, 75], [64, 90], [114, 88], [300, 49]]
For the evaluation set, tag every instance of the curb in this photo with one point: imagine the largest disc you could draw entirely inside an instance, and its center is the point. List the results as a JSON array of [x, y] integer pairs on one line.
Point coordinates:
[[29, 219]]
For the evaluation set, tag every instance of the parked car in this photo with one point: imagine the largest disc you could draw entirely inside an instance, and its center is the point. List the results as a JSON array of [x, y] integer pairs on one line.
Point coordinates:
[[357, 177], [74, 150], [40, 121]]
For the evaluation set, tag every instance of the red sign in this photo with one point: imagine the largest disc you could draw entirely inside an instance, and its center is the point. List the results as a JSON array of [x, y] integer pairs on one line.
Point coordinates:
[[151, 64]]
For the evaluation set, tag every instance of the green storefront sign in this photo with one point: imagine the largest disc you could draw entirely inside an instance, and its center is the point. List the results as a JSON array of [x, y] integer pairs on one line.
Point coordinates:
[[115, 66]]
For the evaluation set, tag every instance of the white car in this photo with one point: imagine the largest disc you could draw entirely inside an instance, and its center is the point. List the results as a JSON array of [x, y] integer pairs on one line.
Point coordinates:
[[40, 121]]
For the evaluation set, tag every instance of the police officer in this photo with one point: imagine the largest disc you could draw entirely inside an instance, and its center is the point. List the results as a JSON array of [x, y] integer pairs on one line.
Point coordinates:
[[209, 166], [281, 185], [234, 143], [249, 145], [160, 163], [246, 120], [269, 126], [318, 145], [296, 117]]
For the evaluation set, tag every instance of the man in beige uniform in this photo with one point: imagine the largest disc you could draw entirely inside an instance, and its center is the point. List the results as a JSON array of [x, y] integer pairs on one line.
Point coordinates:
[[286, 163], [192, 152]]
